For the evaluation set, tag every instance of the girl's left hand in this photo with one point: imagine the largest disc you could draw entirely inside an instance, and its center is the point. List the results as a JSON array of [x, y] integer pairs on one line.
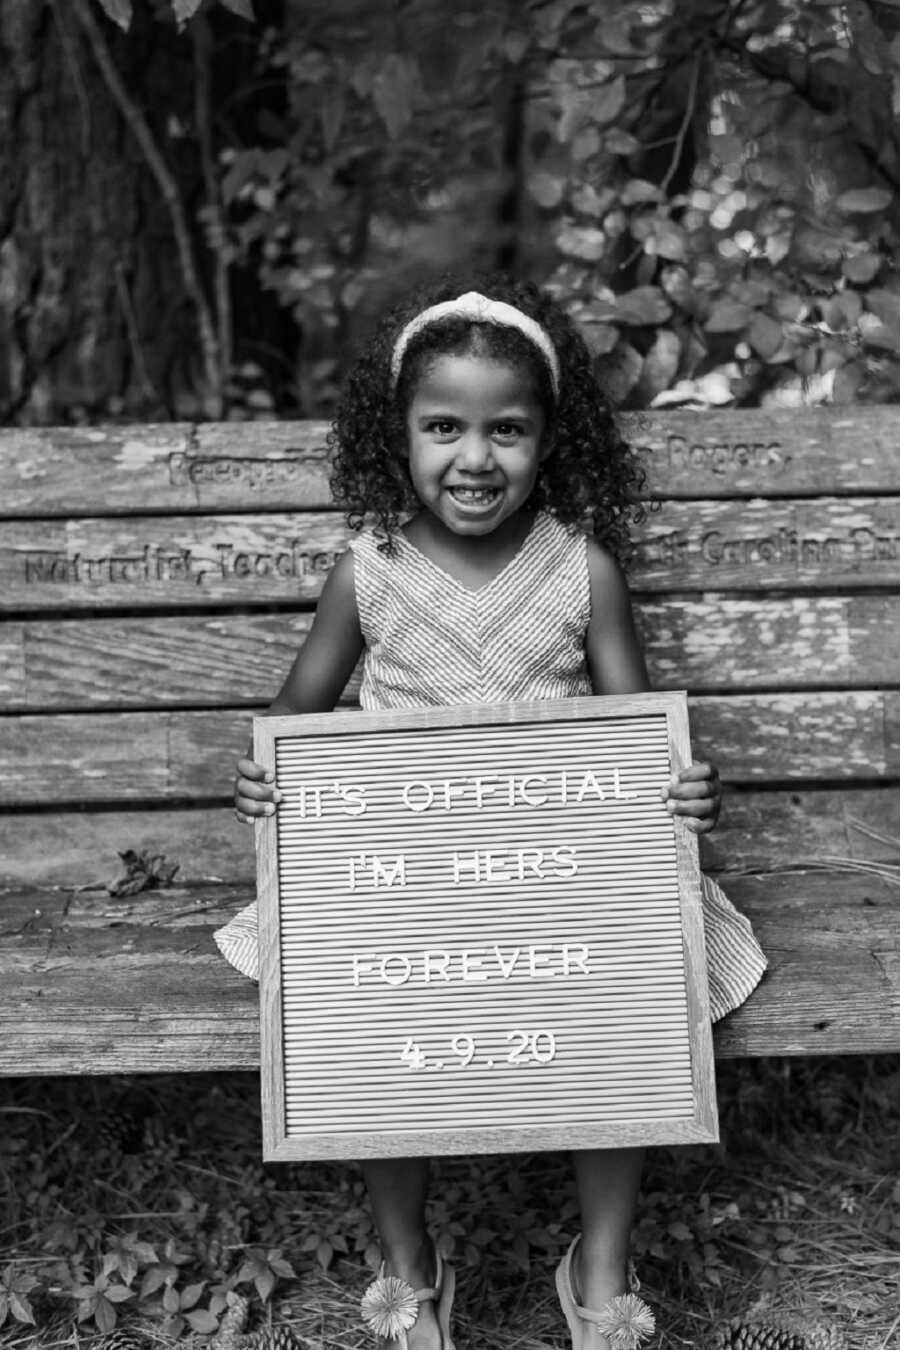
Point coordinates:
[[695, 792]]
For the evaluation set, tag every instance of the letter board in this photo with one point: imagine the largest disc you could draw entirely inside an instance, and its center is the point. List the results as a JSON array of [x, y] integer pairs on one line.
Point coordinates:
[[481, 931]]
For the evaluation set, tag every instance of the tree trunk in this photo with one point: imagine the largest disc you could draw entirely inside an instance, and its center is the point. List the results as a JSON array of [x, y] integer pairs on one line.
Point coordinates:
[[93, 320]]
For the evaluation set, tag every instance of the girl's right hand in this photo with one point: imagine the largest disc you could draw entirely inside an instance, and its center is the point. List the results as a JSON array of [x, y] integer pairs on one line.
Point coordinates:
[[255, 793]]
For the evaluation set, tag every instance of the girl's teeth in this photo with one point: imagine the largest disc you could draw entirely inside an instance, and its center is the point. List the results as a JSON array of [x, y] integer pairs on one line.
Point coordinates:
[[474, 494]]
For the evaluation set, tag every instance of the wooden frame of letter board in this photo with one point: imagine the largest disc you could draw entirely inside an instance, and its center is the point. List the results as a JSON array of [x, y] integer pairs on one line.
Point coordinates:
[[568, 1123]]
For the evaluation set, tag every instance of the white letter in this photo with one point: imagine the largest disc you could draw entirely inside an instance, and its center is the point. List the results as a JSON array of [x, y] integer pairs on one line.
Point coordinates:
[[493, 867], [382, 877], [622, 796], [453, 788], [530, 859], [589, 783], [353, 796], [570, 960], [506, 969], [359, 967], [405, 968], [523, 789], [484, 787], [436, 961], [472, 961], [534, 955], [471, 860], [564, 857], [423, 787]]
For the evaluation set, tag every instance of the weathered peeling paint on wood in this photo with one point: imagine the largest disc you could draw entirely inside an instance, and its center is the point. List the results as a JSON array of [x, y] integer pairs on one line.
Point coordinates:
[[136, 756], [171, 1003], [174, 467], [106, 516], [145, 562], [714, 642], [758, 828], [209, 466]]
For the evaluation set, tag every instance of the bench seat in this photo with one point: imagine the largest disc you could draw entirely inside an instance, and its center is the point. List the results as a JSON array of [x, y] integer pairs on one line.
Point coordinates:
[[106, 985], [155, 583]]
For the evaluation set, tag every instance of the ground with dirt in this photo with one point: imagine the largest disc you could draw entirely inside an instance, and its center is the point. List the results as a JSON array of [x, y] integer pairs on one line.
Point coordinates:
[[143, 1203]]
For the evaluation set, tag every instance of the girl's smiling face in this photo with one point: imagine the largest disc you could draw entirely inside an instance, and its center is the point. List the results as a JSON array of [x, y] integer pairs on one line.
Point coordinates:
[[475, 438]]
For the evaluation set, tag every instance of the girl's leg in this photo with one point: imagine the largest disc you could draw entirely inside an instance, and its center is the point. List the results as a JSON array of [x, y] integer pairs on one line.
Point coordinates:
[[398, 1189], [607, 1181]]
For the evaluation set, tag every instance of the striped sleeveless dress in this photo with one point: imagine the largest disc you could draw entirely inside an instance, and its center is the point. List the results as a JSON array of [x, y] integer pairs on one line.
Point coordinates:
[[430, 641]]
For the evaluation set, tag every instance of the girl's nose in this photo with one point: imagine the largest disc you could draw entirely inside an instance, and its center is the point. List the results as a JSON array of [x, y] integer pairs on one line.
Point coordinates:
[[475, 453]]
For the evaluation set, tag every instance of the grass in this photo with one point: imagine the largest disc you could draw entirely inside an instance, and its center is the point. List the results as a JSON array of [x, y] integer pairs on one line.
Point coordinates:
[[154, 1188]]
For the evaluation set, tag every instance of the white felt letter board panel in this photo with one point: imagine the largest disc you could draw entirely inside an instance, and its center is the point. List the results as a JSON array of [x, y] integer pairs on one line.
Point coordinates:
[[481, 931]]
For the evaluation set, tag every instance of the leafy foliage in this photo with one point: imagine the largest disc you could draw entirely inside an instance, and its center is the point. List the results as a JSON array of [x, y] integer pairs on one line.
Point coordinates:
[[711, 188], [166, 1239]]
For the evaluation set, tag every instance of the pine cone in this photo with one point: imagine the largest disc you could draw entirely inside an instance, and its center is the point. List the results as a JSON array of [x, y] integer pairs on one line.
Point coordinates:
[[118, 1339], [230, 1335], [276, 1338], [738, 1335], [824, 1338]]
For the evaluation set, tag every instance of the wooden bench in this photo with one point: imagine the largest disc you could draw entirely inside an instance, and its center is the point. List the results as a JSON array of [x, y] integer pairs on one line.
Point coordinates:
[[155, 582]]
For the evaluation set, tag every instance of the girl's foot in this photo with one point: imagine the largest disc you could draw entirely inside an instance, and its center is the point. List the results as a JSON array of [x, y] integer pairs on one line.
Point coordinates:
[[595, 1286], [600, 1312], [408, 1306]]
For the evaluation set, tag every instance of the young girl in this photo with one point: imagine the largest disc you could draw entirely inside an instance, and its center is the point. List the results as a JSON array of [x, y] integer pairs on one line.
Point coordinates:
[[473, 434]]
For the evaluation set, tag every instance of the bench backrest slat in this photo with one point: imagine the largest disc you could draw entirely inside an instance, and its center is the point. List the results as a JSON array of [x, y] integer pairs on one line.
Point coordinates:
[[257, 465], [155, 583]]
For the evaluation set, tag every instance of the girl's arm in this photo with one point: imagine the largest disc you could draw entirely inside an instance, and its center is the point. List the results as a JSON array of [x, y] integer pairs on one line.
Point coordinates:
[[616, 666], [314, 682]]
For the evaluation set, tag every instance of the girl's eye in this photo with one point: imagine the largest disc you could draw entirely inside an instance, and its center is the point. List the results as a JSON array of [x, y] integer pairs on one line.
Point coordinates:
[[442, 426], [507, 431]]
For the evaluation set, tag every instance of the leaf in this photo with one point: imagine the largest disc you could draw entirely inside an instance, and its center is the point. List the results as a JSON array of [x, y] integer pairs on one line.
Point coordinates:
[[765, 335], [864, 199], [265, 1283], [619, 142], [104, 1314], [203, 1322], [600, 337], [118, 1293], [185, 10], [643, 305], [547, 189], [668, 239], [640, 190], [242, 8], [191, 1295], [676, 283], [861, 269], [331, 112], [728, 316], [581, 241], [847, 382], [619, 372], [585, 144], [608, 102], [392, 92], [154, 1279], [20, 1308], [885, 304], [324, 1253], [119, 11], [660, 365]]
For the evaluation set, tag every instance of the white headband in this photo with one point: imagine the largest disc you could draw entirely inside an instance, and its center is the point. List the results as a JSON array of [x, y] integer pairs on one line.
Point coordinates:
[[479, 309]]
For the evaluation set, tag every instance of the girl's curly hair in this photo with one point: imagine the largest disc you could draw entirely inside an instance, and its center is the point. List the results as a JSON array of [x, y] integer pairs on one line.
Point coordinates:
[[590, 475]]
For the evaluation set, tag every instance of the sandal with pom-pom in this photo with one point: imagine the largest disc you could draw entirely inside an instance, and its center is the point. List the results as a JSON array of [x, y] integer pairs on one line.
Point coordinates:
[[390, 1305], [625, 1320]]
